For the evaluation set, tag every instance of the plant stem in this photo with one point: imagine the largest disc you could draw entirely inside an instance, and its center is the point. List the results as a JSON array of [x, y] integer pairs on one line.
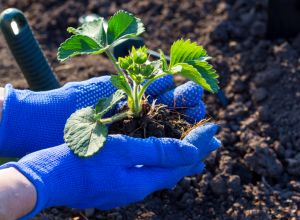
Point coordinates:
[[115, 62], [146, 85], [116, 65], [137, 108], [116, 117]]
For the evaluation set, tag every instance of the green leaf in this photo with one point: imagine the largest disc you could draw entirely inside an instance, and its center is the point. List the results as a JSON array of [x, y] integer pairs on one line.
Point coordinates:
[[184, 51], [163, 60], [83, 134], [120, 83], [208, 73], [78, 44], [106, 104], [199, 72], [123, 25], [93, 29], [187, 71], [72, 30]]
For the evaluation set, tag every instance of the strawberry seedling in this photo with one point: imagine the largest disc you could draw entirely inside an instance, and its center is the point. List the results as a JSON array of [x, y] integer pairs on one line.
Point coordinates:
[[86, 130]]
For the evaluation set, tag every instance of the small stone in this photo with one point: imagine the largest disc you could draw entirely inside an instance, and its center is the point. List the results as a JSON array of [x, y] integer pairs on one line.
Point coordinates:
[[234, 183], [263, 113], [279, 149], [286, 52], [239, 86], [204, 183], [286, 195], [264, 162], [269, 76], [247, 18], [221, 33], [293, 166], [147, 215], [186, 26], [288, 153], [233, 44], [236, 110], [185, 183], [249, 122], [257, 214], [260, 94], [226, 164], [258, 29], [218, 185], [89, 212], [221, 8]]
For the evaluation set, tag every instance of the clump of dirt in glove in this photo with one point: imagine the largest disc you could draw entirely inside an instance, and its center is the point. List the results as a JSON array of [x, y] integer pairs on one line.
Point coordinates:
[[156, 120]]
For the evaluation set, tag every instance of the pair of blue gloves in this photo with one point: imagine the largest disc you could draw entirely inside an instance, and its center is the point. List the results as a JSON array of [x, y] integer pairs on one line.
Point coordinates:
[[33, 122]]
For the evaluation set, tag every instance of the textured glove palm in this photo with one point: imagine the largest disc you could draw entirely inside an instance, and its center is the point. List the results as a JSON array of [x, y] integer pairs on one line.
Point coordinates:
[[112, 178]]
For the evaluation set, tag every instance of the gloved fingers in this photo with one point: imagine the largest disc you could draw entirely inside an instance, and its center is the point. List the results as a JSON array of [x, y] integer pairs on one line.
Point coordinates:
[[90, 91], [146, 180], [186, 95], [156, 152], [160, 86], [213, 145], [196, 169], [94, 80], [151, 179], [194, 114], [203, 138]]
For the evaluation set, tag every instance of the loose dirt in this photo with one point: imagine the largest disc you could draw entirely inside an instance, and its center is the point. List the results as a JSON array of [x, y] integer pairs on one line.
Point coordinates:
[[156, 120]]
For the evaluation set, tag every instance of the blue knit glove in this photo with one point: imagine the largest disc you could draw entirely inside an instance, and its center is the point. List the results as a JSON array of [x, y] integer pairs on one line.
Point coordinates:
[[112, 178], [35, 120], [186, 98]]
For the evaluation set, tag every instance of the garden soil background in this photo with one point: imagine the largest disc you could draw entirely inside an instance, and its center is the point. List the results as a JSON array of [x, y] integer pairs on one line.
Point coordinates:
[[255, 174]]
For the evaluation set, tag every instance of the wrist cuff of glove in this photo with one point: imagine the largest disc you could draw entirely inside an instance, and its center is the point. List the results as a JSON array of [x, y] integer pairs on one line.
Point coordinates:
[[41, 200], [9, 98], [27, 114]]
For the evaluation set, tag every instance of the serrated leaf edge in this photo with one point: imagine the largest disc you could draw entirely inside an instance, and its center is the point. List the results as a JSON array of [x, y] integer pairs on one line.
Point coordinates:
[[81, 53]]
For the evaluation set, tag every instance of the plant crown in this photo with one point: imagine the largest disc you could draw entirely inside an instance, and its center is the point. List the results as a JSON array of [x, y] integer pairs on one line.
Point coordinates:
[[86, 130]]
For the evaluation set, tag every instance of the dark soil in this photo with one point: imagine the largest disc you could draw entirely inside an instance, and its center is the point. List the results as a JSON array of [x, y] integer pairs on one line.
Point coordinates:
[[155, 120], [255, 175]]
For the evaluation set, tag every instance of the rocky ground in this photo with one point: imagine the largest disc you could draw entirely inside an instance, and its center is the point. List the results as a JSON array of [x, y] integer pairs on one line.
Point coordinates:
[[256, 173]]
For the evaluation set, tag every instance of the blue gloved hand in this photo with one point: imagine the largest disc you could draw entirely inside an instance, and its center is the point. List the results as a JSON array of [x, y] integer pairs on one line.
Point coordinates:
[[186, 98], [35, 120], [112, 178]]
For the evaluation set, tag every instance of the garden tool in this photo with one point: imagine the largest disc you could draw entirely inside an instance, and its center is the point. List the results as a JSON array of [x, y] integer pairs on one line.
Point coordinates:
[[27, 51]]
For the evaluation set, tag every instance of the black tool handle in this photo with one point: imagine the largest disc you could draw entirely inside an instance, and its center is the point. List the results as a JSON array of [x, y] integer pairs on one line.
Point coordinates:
[[27, 51]]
